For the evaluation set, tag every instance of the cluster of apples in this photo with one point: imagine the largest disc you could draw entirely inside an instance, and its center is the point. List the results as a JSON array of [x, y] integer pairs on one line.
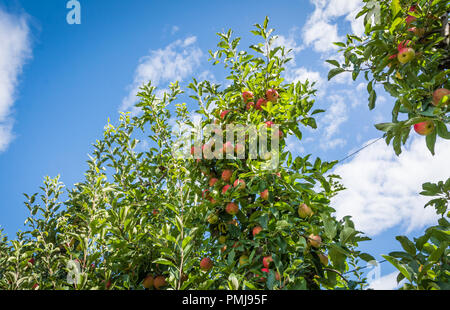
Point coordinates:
[[151, 282], [441, 97]]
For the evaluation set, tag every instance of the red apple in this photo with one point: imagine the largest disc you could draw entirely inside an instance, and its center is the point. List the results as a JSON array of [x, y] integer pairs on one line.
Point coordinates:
[[239, 148], [267, 260], [240, 183], [424, 128], [261, 103], [272, 95], [159, 281], [213, 181], [226, 175], [439, 94], [250, 105], [247, 95], [304, 211], [228, 147], [206, 264], [148, 281], [31, 261], [265, 194], [410, 19], [224, 113], [269, 124], [314, 240], [405, 55], [232, 208], [256, 230], [225, 189]]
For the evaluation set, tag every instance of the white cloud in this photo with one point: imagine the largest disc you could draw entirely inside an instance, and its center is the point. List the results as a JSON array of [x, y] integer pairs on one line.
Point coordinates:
[[175, 62], [383, 189], [302, 74], [337, 114], [387, 282], [321, 28], [15, 50]]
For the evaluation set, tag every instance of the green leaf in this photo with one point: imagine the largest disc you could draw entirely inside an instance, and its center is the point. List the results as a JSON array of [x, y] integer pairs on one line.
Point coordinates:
[[407, 245], [400, 267], [372, 99], [330, 227], [431, 141], [333, 62], [334, 72], [442, 130]]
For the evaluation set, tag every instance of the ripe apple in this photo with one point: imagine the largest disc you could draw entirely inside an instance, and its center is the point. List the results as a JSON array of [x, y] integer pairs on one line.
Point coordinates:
[[243, 260], [323, 259], [250, 105], [31, 261], [439, 94], [206, 264], [232, 208], [256, 230], [247, 95], [213, 181], [155, 212], [225, 188], [314, 240], [240, 183], [304, 211], [224, 113], [265, 194], [148, 281], [269, 124], [406, 54], [410, 19], [213, 219], [226, 175], [159, 281], [272, 95], [35, 286], [261, 103], [239, 148], [267, 260], [424, 128], [228, 147]]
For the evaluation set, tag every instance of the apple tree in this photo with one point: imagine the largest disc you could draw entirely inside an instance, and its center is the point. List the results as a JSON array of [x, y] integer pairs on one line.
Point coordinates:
[[146, 218], [405, 49]]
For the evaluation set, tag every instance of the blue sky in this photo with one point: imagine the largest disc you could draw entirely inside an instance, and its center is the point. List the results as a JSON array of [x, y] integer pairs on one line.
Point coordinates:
[[59, 83]]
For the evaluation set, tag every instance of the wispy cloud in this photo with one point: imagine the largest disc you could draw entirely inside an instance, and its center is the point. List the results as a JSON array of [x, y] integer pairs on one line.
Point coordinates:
[[176, 61], [383, 189], [321, 28], [15, 50]]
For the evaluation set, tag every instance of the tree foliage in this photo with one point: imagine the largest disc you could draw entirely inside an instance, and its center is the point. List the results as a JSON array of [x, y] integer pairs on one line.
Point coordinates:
[[143, 214]]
